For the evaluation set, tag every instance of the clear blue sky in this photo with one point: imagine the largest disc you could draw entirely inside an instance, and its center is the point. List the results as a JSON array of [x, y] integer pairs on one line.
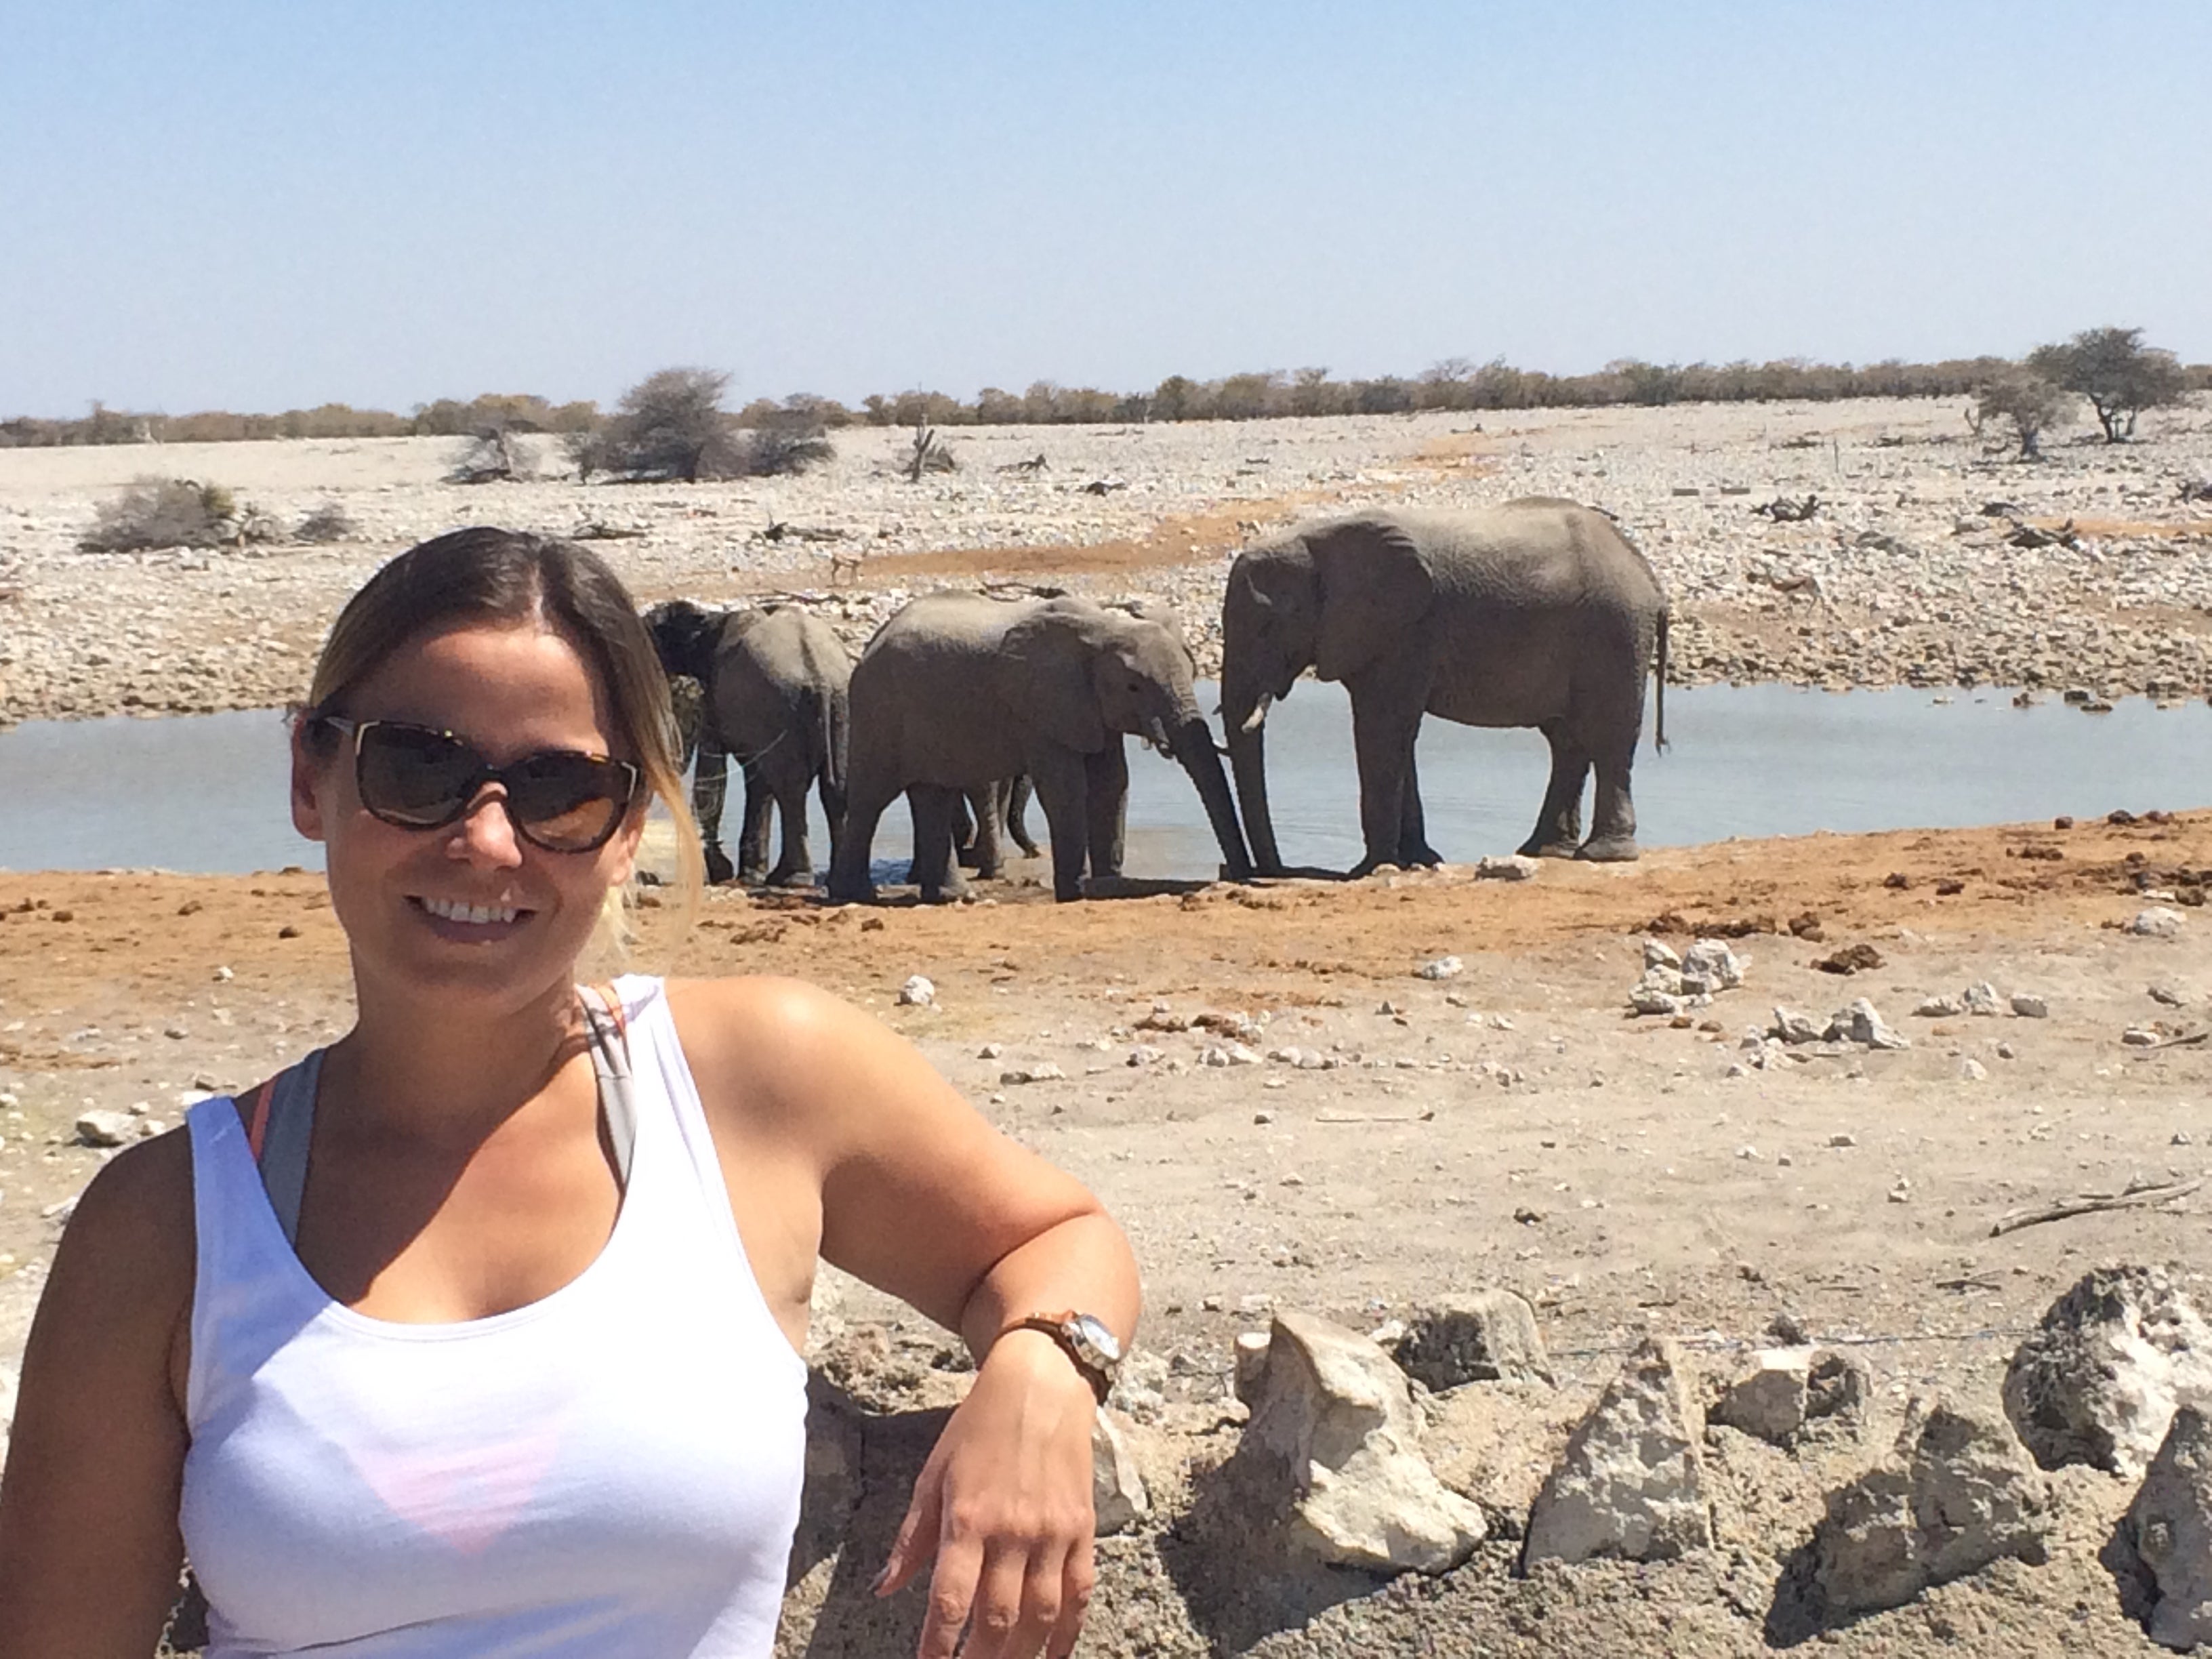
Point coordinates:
[[260, 206]]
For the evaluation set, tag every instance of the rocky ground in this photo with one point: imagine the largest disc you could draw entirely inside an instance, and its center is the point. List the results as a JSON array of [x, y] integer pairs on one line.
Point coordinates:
[[1927, 557], [1289, 1116]]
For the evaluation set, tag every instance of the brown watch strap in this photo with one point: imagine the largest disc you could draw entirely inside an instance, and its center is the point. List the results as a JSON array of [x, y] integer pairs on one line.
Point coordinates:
[[1055, 1327]]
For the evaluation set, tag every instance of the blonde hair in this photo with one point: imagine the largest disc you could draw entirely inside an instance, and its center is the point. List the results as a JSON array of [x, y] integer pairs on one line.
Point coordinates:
[[483, 574]]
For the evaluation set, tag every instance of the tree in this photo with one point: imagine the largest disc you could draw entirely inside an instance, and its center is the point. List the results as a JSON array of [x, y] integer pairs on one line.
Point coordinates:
[[1174, 398], [670, 425], [2029, 401], [2119, 376]]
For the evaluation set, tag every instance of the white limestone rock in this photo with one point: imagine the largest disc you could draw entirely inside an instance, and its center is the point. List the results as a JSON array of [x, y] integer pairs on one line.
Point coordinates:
[[1117, 1489], [103, 1127], [1480, 1336], [1631, 1483], [2169, 1527], [1331, 1456], [918, 992], [2099, 1379], [1511, 868], [1713, 961], [1859, 1022], [2156, 922], [1957, 1493]]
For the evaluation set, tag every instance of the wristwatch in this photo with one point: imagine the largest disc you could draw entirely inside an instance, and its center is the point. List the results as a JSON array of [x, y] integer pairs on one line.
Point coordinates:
[[1086, 1339]]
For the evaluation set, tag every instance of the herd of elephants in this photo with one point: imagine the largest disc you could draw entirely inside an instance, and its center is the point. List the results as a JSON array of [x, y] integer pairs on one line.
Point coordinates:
[[1537, 613]]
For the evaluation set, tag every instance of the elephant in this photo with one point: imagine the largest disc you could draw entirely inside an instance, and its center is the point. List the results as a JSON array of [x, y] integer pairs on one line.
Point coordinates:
[[957, 690], [1538, 612], [775, 684]]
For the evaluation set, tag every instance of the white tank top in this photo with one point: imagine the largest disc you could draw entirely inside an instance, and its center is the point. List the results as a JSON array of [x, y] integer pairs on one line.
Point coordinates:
[[613, 1470]]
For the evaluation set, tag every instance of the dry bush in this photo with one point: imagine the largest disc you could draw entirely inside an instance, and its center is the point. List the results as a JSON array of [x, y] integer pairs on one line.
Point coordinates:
[[2119, 376], [164, 512], [770, 450], [328, 522], [670, 425]]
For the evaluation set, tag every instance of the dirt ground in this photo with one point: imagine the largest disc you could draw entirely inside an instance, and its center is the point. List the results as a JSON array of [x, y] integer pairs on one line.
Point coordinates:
[[1511, 1124]]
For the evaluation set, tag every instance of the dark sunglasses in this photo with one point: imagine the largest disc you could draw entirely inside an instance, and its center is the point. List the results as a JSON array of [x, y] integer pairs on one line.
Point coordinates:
[[421, 778]]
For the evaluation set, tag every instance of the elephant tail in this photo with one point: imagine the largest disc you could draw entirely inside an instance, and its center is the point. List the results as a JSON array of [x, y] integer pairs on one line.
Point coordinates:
[[831, 733], [1659, 736]]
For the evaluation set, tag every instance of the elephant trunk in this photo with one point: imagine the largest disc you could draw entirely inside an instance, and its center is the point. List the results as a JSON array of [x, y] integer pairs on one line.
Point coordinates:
[[1191, 742], [1243, 713]]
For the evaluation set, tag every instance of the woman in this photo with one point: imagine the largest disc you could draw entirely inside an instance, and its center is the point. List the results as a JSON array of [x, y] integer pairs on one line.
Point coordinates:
[[526, 1379]]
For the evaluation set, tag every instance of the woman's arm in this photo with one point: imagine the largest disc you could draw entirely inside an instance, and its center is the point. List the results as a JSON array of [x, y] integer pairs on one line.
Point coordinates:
[[922, 1198], [88, 1546]]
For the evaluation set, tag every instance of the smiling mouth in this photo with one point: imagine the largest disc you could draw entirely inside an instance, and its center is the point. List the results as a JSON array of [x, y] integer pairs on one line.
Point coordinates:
[[471, 916]]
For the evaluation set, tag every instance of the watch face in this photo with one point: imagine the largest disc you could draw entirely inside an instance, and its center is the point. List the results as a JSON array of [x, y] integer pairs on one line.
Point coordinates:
[[1093, 1332]]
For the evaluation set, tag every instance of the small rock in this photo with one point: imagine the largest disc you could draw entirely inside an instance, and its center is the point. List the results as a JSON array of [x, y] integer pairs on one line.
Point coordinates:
[[1793, 1027], [2169, 1529], [1981, 999], [1117, 1489], [2030, 1007], [1851, 959], [1901, 1191], [918, 992], [1769, 1402], [1332, 1453], [1631, 1483], [1713, 961], [2098, 1380], [2156, 922], [1482, 1336], [1842, 1140], [1659, 954], [1441, 968], [1513, 867], [990, 1051], [1228, 1054], [1041, 1071], [1956, 1493], [1939, 1008], [1973, 1071], [1859, 1022], [106, 1128]]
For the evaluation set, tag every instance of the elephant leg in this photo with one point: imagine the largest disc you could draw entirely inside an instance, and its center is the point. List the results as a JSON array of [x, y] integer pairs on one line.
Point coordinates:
[[1414, 848], [1062, 789], [1612, 816], [1106, 798], [1018, 791], [710, 788], [833, 807], [752, 842], [849, 881], [967, 813], [987, 854], [1384, 730], [935, 871], [794, 866], [1560, 820]]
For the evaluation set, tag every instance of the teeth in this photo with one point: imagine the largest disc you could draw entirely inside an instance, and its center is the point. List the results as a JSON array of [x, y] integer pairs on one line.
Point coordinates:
[[480, 915]]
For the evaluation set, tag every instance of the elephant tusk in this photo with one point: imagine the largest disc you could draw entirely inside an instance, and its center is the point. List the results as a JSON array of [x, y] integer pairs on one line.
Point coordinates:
[[1257, 718]]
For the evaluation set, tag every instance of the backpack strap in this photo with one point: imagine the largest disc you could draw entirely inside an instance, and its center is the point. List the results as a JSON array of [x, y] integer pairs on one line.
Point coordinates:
[[609, 1028], [280, 1120]]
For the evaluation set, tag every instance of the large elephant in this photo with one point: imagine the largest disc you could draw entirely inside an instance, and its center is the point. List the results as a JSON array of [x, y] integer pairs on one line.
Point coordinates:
[[1535, 613], [957, 691], [775, 684]]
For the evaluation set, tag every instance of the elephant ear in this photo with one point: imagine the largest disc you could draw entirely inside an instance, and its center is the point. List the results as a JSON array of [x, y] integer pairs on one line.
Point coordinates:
[[1048, 660], [684, 635], [1374, 586]]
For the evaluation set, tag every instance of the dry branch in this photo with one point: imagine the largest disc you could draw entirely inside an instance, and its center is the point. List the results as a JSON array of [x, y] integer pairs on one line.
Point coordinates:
[[2133, 1196]]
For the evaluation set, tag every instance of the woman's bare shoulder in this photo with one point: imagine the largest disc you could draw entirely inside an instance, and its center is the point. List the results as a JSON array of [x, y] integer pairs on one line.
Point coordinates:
[[135, 1216]]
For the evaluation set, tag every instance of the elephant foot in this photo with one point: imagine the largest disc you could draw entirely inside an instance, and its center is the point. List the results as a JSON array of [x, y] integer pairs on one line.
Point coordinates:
[[1423, 857], [1610, 850], [851, 893], [1029, 849], [1549, 849], [792, 878], [1369, 866], [753, 875], [718, 868]]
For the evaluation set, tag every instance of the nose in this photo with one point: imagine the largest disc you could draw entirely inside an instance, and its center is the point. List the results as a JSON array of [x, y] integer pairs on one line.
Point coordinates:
[[483, 836]]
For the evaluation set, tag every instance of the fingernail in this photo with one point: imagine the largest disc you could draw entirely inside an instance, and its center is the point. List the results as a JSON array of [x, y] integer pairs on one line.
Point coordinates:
[[882, 1577]]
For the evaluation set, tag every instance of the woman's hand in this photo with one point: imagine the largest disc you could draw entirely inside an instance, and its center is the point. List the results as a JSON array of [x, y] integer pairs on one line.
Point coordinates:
[[1004, 1506]]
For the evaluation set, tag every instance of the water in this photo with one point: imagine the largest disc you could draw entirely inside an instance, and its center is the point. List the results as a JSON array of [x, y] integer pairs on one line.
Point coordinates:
[[207, 793]]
